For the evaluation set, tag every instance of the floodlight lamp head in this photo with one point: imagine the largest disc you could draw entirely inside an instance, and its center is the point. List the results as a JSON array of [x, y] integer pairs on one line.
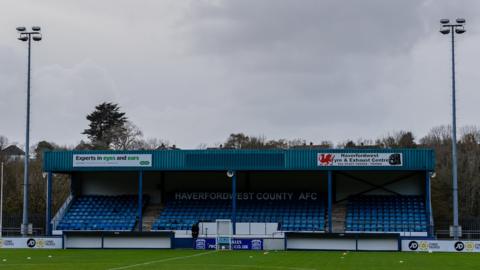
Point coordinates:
[[444, 21], [460, 20], [445, 31], [36, 28], [37, 38], [230, 174], [23, 38], [460, 30], [21, 28]]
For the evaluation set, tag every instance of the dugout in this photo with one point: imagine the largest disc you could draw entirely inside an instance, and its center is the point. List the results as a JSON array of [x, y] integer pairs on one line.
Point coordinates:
[[345, 181]]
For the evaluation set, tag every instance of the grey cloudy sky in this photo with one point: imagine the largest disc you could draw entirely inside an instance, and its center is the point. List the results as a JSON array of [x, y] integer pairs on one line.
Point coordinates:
[[194, 71]]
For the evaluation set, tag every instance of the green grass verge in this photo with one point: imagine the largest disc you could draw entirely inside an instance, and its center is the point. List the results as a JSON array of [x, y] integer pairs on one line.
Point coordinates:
[[208, 260]]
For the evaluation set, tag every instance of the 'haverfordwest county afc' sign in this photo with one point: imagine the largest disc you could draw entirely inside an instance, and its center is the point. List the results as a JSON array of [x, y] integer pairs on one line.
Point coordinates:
[[112, 160], [359, 159]]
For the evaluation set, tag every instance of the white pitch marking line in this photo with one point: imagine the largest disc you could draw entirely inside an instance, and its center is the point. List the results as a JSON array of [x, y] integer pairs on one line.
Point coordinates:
[[162, 260]]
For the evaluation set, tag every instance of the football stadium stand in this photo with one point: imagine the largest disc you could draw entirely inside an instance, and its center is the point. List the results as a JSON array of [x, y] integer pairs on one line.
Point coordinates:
[[333, 199], [382, 213], [101, 213]]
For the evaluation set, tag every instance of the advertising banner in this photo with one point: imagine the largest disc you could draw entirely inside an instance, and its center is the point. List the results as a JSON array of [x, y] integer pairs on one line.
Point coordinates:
[[247, 244], [25, 242], [112, 160], [237, 243], [359, 159], [440, 246], [205, 243]]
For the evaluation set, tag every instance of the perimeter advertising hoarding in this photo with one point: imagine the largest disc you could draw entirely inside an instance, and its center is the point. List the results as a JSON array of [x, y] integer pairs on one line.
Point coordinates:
[[237, 243], [360, 159], [112, 160], [25, 242], [440, 246]]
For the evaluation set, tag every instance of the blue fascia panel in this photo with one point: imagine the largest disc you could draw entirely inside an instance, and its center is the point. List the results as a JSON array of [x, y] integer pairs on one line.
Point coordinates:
[[241, 160]]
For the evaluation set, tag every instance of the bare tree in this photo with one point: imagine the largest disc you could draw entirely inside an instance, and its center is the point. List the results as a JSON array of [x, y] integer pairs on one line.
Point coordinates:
[[154, 144], [128, 138]]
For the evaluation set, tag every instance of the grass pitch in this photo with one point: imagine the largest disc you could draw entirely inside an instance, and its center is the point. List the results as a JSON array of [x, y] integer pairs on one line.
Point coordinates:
[[207, 260]]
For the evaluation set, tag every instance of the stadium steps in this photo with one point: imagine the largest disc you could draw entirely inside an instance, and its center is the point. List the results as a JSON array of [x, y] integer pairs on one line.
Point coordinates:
[[339, 212], [150, 213]]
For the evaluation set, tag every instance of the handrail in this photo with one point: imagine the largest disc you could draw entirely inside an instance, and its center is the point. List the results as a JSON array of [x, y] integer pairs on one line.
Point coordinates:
[[59, 215]]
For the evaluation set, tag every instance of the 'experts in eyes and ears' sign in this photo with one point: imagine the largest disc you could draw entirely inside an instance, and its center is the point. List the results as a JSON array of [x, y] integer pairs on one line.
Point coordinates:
[[359, 159], [112, 160]]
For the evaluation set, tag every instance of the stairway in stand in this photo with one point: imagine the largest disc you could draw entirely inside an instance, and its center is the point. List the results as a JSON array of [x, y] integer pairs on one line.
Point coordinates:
[[339, 213], [151, 212]]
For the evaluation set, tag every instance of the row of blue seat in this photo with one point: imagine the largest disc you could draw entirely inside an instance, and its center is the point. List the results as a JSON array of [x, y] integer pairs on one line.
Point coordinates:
[[99, 212], [364, 213], [295, 215], [374, 213]]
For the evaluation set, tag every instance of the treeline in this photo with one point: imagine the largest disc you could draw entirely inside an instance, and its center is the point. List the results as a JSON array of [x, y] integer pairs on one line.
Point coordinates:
[[438, 139], [109, 128]]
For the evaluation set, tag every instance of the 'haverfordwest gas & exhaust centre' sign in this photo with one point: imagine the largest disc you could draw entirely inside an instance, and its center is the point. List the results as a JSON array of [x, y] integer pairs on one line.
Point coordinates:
[[112, 160], [359, 159]]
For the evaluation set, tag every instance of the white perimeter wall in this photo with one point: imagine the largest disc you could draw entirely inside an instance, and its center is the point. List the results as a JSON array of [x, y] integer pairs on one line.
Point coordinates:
[[79, 241], [320, 244], [136, 242], [342, 244]]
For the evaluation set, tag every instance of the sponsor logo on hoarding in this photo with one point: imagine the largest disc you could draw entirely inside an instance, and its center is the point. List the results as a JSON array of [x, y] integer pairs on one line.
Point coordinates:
[[469, 246], [459, 246], [112, 160], [257, 244], [360, 159], [6, 243], [423, 245], [31, 243], [50, 243], [200, 244], [326, 159], [434, 246], [413, 245]]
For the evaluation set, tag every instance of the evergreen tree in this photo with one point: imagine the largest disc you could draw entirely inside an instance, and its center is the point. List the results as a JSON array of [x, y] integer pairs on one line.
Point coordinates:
[[107, 124]]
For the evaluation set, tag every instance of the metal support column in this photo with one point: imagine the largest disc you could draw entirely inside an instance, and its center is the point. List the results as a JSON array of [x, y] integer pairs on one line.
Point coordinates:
[[48, 216], [24, 227], [329, 201], [1, 198], [454, 146], [234, 202], [427, 203], [140, 200]]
